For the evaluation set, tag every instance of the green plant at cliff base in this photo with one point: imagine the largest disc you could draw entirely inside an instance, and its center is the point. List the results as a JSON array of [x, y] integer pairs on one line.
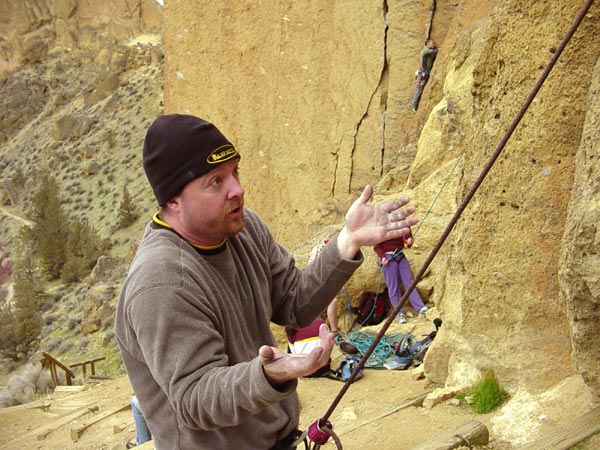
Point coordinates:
[[487, 394]]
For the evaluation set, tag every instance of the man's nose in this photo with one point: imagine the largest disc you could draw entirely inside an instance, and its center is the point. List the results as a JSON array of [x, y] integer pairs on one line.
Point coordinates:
[[236, 189]]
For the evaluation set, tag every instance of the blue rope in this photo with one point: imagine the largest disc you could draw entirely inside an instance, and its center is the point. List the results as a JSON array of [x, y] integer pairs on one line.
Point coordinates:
[[362, 340], [348, 315]]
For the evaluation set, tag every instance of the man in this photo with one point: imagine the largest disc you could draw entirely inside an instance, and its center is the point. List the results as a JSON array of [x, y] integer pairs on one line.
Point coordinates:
[[142, 433], [428, 55], [193, 317]]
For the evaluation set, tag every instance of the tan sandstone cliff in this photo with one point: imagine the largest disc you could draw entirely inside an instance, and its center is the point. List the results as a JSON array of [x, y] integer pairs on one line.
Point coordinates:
[[316, 96]]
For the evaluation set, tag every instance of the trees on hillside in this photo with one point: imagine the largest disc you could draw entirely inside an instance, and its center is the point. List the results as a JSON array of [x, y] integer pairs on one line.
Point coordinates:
[[21, 316], [67, 249], [54, 247], [50, 231], [127, 210], [83, 248]]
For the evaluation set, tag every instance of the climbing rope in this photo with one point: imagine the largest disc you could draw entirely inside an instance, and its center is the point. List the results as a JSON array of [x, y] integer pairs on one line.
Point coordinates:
[[437, 195], [430, 24], [468, 197], [384, 348], [348, 311], [363, 340]]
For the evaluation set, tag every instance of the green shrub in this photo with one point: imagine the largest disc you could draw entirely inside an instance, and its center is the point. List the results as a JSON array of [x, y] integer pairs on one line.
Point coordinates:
[[21, 319], [128, 213], [487, 394]]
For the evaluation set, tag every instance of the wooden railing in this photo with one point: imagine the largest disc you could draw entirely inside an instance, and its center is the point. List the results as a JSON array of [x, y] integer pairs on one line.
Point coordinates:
[[85, 364], [53, 364]]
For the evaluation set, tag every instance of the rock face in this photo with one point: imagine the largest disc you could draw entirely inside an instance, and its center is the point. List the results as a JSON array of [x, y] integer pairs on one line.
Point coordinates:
[[319, 102], [29, 29], [579, 257], [319, 105]]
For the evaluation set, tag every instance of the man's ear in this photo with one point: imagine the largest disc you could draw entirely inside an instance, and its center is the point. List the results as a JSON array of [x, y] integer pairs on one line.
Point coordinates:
[[172, 204]]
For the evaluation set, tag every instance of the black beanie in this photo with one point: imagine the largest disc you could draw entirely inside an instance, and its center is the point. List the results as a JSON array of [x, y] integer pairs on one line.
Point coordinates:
[[179, 148]]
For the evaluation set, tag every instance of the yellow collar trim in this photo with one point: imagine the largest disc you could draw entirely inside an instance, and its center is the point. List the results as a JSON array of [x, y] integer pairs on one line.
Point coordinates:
[[161, 222]]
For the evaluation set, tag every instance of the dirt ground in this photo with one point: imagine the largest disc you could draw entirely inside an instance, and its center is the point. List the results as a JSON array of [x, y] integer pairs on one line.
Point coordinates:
[[356, 420], [363, 419], [366, 418]]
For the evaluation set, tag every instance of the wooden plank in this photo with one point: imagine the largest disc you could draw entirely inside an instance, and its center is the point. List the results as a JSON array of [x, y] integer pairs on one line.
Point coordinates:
[[93, 378], [127, 423], [64, 421], [569, 434], [72, 388], [77, 431], [472, 433], [41, 404], [416, 400], [41, 432]]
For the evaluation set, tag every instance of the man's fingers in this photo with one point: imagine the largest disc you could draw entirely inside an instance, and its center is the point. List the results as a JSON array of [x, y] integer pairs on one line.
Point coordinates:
[[324, 331], [365, 195], [399, 203], [403, 213], [327, 337], [266, 354], [280, 367]]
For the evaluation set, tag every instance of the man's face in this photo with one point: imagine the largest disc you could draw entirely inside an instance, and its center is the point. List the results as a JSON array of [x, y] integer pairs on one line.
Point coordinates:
[[210, 207]]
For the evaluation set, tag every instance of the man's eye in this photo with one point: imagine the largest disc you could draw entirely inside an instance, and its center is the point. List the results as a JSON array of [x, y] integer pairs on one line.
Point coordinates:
[[215, 181]]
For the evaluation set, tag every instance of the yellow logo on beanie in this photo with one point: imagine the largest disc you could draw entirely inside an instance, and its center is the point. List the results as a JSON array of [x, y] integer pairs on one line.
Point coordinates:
[[222, 154]]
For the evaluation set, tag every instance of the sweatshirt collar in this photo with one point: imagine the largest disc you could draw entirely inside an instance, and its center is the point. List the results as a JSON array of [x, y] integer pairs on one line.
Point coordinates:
[[201, 248]]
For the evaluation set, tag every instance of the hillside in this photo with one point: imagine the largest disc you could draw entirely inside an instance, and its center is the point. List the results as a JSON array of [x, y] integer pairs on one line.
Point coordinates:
[[84, 125]]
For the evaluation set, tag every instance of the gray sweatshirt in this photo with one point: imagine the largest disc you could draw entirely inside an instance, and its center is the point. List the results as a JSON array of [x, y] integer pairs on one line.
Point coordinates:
[[189, 325]]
